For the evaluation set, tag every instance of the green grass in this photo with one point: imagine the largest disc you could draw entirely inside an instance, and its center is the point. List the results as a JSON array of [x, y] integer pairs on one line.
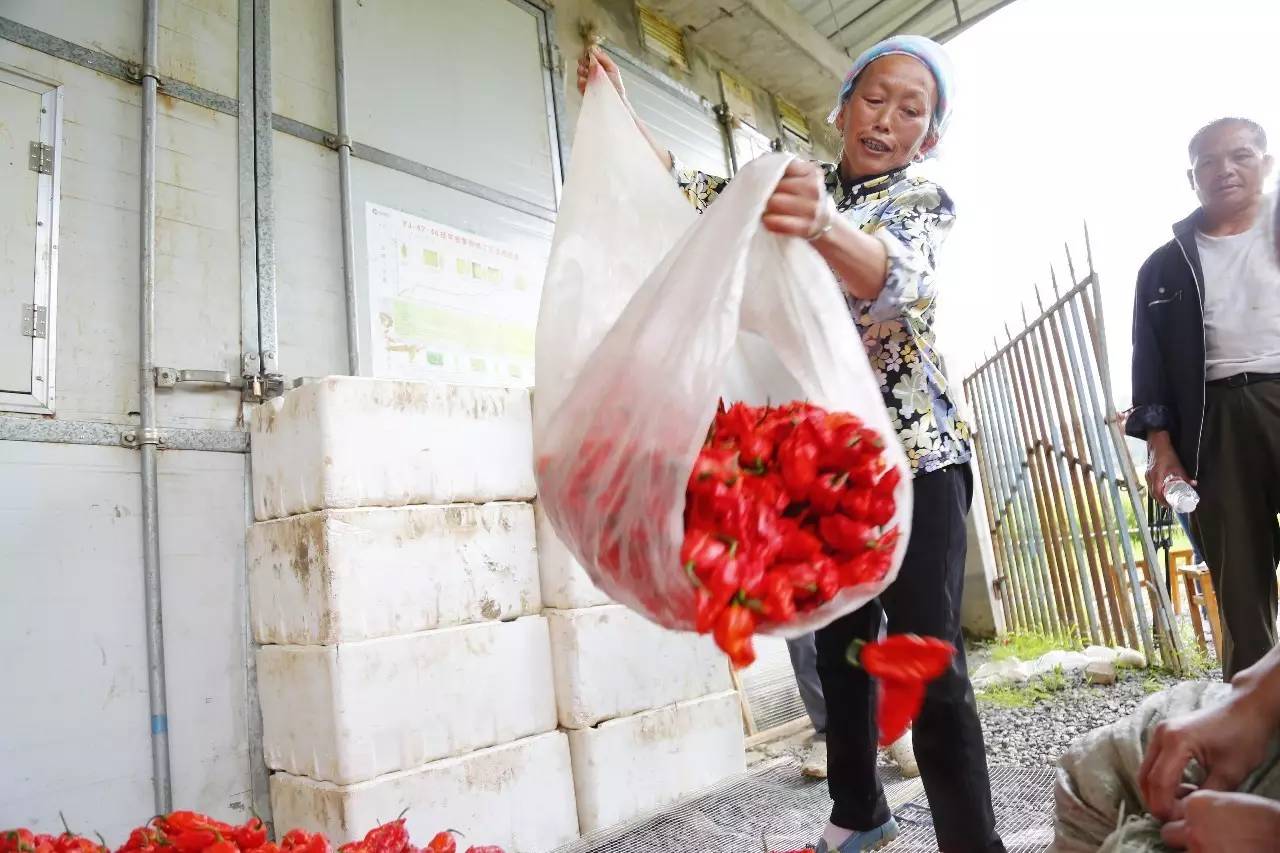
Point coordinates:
[[1031, 645], [1026, 695]]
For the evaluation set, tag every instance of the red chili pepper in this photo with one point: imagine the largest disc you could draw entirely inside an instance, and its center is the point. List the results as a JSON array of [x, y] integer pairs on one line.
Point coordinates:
[[733, 632], [827, 491], [355, 847], [903, 657], [881, 510], [252, 834], [444, 842], [486, 849], [390, 837], [222, 846], [899, 703], [887, 541], [889, 481], [868, 471], [715, 465], [708, 610], [856, 503], [193, 840], [845, 535], [828, 578], [798, 459], [779, 603], [798, 543], [703, 551], [269, 847], [16, 840]]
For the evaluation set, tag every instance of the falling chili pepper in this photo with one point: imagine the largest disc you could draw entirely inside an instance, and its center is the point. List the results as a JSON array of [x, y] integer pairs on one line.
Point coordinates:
[[903, 665], [733, 632], [898, 704]]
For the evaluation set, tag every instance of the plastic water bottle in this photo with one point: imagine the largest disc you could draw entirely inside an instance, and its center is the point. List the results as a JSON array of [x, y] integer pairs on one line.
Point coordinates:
[[1179, 494]]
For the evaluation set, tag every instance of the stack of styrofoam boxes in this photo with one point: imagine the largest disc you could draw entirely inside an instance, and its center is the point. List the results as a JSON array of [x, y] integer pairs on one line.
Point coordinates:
[[394, 587], [651, 713]]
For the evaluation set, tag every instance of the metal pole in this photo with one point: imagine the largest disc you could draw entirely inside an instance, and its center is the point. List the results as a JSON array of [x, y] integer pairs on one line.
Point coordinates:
[[1045, 507], [1116, 524], [990, 499], [1022, 544], [1084, 472], [149, 436], [1020, 530], [1067, 489], [1004, 523], [1163, 611], [343, 145]]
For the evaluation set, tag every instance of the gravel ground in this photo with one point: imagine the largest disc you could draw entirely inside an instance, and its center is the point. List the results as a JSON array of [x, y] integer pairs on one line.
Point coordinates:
[[1038, 733]]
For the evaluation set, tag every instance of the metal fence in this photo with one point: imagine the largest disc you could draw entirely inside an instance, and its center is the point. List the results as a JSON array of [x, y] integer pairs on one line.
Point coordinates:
[[1061, 489]]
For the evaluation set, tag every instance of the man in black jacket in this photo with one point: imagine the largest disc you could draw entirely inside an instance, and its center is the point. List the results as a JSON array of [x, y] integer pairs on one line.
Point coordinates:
[[1206, 377]]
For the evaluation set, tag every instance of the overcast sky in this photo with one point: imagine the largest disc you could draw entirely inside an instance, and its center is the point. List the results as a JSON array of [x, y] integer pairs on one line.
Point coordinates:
[[1075, 109]]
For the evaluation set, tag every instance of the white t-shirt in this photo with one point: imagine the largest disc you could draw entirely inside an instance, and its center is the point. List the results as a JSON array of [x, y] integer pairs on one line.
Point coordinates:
[[1242, 299]]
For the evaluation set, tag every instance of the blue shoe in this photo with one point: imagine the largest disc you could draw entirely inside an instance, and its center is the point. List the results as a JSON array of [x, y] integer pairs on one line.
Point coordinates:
[[860, 842]]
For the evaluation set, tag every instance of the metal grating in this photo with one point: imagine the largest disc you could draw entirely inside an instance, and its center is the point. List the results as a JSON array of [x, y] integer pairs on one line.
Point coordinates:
[[775, 808]]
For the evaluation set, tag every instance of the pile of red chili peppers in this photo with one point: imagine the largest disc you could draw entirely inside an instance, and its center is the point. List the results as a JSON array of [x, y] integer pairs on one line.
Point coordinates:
[[191, 832], [785, 507]]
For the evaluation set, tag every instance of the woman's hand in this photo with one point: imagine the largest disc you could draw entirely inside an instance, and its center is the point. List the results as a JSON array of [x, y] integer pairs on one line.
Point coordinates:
[[592, 57], [1214, 822], [799, 206]]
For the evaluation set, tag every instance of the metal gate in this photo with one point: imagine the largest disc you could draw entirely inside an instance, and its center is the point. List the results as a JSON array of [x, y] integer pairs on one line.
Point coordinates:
[[1068, 524]]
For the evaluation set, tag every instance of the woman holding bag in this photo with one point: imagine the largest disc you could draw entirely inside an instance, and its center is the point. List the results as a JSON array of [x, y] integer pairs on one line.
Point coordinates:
[[879, 228]]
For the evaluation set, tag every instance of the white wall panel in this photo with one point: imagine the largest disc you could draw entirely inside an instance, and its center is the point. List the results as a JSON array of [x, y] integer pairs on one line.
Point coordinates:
[[458, 86], [71, 625], [310, 302], [302, 75], [197, 260], [197, 38]]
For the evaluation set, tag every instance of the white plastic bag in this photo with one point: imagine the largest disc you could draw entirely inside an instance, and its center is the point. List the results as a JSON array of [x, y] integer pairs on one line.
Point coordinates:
[[650, 314]]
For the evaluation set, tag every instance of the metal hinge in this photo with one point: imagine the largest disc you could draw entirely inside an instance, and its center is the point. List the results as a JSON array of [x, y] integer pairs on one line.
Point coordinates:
[[550, 57], [35, 321], [40, 158]]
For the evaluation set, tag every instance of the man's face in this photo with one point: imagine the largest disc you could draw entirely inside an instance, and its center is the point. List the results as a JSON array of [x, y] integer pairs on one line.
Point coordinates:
[[885, 122], [1229, 169]]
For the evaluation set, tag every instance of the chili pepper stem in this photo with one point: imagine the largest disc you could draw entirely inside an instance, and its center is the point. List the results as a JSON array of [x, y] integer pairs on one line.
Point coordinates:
[[854, 653]]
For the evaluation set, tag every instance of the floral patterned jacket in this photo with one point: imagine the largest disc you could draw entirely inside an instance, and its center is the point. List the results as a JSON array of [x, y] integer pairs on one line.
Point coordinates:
[[911, 216]]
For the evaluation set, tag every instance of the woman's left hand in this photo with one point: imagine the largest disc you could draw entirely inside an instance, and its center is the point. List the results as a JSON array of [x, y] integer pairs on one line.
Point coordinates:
[[799, 206]]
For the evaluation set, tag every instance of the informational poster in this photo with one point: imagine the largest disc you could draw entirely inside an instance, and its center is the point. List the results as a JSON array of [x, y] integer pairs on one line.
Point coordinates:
[[450, 305]]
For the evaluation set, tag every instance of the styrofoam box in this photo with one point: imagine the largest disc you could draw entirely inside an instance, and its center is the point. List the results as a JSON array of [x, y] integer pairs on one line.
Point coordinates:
[[565, 584], [610, 662], [629, 766], [343, 442], [354, 711], [355, 574], [518, 795]]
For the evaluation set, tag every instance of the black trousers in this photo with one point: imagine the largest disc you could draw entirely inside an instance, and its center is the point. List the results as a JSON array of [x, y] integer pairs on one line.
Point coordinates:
[[1235, 524], [925, 600]]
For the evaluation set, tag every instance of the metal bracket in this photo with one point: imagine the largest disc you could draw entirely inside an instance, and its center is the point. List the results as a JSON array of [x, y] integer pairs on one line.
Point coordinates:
[[40, 158], [136, 437], [334, 142], [35, 321], [168, 377]]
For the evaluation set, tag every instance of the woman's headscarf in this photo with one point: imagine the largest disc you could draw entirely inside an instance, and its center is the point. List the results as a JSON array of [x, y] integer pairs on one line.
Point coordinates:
[[923, 49]]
